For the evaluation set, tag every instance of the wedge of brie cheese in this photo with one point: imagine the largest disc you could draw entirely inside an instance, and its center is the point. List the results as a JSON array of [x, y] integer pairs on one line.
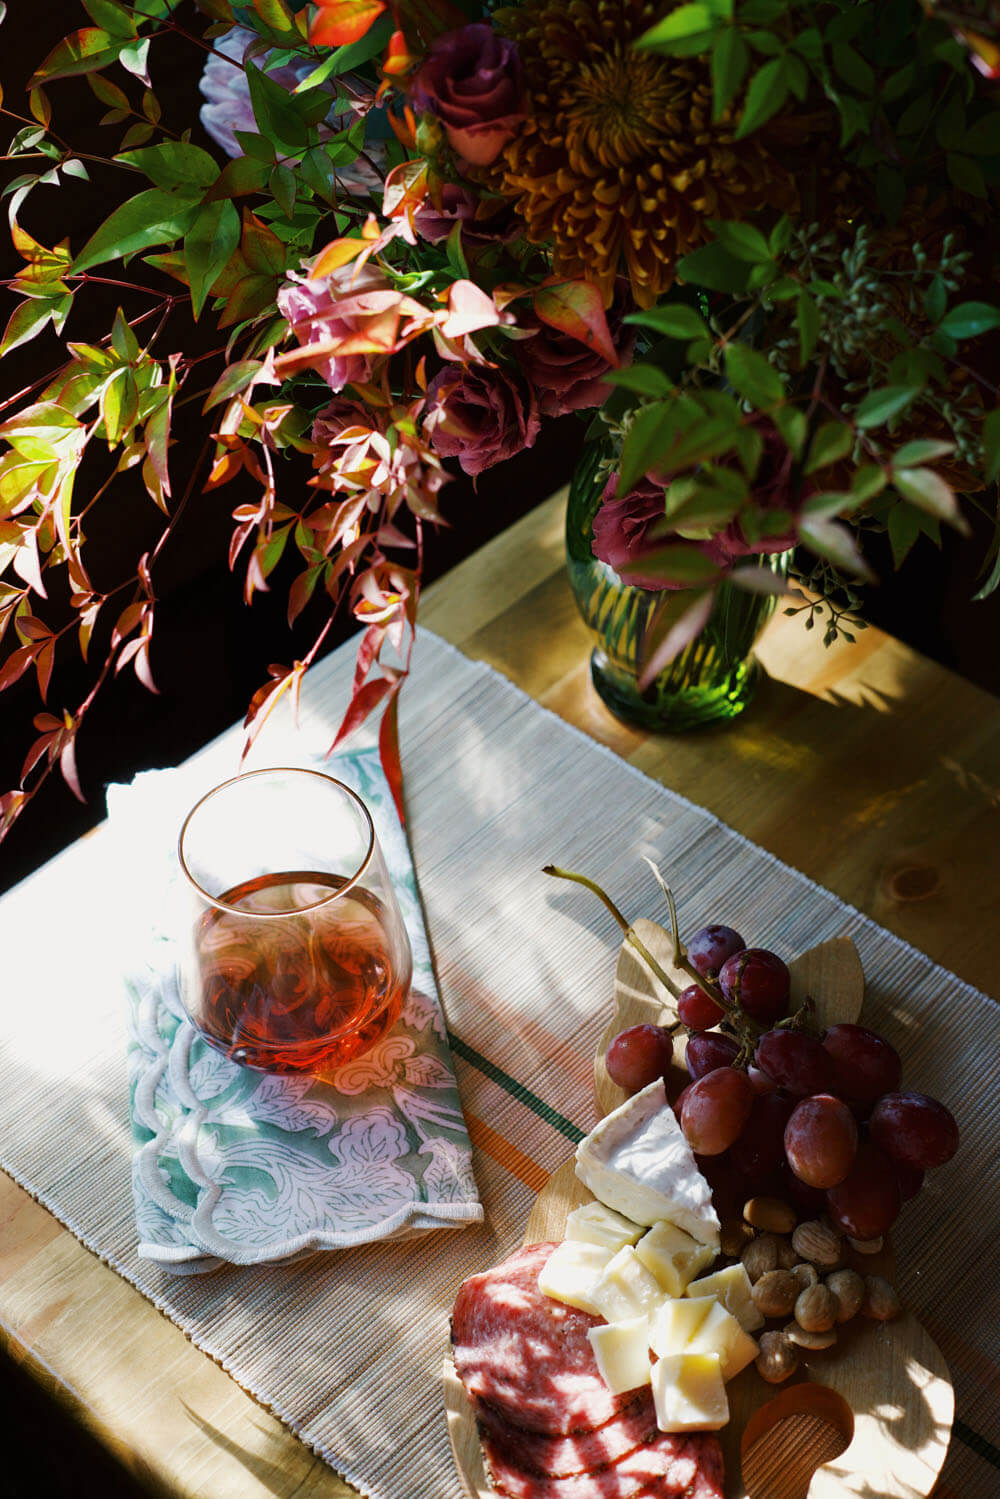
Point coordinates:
[[637, 1162]]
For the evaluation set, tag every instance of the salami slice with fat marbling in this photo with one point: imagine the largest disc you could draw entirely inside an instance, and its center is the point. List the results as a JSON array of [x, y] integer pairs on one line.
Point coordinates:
[[581, 1451], [670, 1466]]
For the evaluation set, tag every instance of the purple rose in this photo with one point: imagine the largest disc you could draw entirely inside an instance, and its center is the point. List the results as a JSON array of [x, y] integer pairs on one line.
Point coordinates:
[[484, 221], [471, 80], [480, 416]]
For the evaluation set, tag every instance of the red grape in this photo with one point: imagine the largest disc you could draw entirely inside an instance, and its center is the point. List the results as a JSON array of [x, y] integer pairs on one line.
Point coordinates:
[[728, 1189], [759, 982], [914, 1129], [715, 1109], [867, 1201], [796, 1062], [639, 1055], [760, 1081], [760, 1149], [910, 1179], [707, 1050], [866, 1065], [810, 1201], [698, 1010], [709, 949], [821, 1138]]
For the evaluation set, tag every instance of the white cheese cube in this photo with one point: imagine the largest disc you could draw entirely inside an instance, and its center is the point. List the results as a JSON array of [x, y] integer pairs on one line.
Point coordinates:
[[638, 1162], [720, 1333], [688, 1392], [595, 1224], [676, 1322], [626, 1288], [622, 1353], [673, 1256], [732, 1287], [572, 1273]]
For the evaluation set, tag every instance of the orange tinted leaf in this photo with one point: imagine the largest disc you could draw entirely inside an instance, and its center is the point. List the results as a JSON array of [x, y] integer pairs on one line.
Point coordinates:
[[577, 309], [44, 662], [340, 22], [337, 253], [388, 750], [363, 702]]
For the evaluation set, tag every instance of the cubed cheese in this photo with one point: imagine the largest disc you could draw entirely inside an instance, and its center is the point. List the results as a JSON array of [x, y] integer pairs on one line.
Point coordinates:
[[675, 1323], [688, 1392], [593, 1223], [720, 1333], [638, 1162], [626, 1288], [732, 1287], [572, 1273], [673, 1256], [622, 1353]]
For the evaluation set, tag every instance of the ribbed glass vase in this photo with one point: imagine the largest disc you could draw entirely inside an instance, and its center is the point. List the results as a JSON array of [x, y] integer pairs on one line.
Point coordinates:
[[713, 678]]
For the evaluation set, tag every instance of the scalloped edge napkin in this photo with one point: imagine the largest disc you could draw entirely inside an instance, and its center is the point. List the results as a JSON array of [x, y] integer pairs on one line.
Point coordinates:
[[235, 1166]]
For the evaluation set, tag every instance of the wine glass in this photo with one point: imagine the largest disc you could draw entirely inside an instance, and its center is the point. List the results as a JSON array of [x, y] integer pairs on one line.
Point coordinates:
[[294, 956]]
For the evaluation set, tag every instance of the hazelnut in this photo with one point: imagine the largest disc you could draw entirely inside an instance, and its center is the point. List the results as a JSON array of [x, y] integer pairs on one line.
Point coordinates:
[[777, 1359], [795, 1333], [866, 1246], [760, 1256], [848, 1289], [881, 1302], [819, 1244], [816, 1308], [787, 1258], [770, 1215], [775, 1294], [805, 1274], [734, 1235]]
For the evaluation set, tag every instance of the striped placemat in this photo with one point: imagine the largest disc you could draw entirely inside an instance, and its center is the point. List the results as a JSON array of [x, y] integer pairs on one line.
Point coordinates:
[[346, 1348]]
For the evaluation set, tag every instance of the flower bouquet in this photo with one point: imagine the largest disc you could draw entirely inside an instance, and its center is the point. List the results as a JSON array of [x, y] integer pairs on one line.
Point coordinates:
[[749, 237]]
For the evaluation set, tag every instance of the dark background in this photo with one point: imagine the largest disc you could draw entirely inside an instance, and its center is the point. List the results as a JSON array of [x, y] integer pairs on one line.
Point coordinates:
[[211, 652]]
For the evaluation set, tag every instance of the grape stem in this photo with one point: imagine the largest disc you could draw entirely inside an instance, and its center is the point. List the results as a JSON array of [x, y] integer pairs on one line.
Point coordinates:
[[631, 937]]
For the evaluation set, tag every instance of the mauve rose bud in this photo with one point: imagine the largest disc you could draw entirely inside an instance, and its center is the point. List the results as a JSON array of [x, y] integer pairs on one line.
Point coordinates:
[[471, 80], [488, 416]]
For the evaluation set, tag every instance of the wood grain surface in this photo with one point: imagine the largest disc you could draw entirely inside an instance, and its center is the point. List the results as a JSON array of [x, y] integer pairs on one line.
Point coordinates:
[[871, 1416], [869, 768]]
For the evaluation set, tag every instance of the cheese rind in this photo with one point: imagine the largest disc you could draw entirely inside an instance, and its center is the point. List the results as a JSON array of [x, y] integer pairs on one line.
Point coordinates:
[[676, 1322], [638, 1162], [593, 1223], [621, 1350], [732, 1287], [720, 1333], [688, 1392], [626, 1288], [673, 1256], [572, 1273]]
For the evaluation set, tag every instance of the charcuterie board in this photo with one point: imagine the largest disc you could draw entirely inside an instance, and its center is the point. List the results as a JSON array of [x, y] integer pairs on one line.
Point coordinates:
[[867, 1419]]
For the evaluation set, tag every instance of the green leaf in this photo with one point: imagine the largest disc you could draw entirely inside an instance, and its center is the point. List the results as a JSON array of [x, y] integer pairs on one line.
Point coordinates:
[[123, 341], [928, 491], [781, 237], [794, 428], [966, 174], [680, 563], [688, 29], [882, 405], [234, 379], [111, 16], [923, 450], [807, 317], [852, 68], [282, 184], [868, 481], [714, 267], [796, 76], [644, 442], [154, 217], [983, 138], [253, 144], [903, 526], [949, 123], [27, 319], [278, 116], [991, 446], [673, 320], [352, 55], [836, 543], [765, 96], [970, 319], [135, 57], [831, 442], [208, 244], [176, 166], [916, 115], [936, 299], [238, 178], [84, 51], [752, 377], [741, 240], [644, 379], [730, 61]]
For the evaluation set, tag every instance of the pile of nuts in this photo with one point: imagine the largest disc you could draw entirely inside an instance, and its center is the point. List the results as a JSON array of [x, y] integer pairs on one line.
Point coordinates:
[[797, 1271]]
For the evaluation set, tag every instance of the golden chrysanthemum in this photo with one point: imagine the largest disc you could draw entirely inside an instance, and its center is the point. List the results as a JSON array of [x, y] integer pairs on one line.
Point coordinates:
[[618, 163]]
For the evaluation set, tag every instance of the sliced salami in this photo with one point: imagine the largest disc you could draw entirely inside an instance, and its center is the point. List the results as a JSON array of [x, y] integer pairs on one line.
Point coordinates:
[[668, 1467], [527, 1355], [580, 1452]]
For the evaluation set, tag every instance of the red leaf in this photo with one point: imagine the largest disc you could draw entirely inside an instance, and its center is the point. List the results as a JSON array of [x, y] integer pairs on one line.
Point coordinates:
[[44, 662], [577, 309], [41, 747], [363, 702], [16, 665], [388, 749], [680, 634], [67, 764], [340, 22]]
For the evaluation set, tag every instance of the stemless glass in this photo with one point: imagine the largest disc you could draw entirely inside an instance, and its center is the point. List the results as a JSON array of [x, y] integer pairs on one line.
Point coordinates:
[[294, 957]]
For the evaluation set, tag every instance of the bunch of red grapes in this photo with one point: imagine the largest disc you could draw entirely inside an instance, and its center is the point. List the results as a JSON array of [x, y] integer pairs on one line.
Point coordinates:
[[817, 1119]]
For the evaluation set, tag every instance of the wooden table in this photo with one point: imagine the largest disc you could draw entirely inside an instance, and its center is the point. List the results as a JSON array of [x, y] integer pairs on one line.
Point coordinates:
[[872, 770]]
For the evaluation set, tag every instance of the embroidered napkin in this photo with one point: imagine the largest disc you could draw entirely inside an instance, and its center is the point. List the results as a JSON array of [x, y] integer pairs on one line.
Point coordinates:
[[241, 1166]]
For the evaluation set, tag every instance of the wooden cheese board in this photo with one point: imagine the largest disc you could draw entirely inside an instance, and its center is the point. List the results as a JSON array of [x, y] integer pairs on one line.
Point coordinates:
[[867, 1419]]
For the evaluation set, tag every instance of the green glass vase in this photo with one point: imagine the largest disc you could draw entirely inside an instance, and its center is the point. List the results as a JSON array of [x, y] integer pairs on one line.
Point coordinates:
[[711, 679]]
